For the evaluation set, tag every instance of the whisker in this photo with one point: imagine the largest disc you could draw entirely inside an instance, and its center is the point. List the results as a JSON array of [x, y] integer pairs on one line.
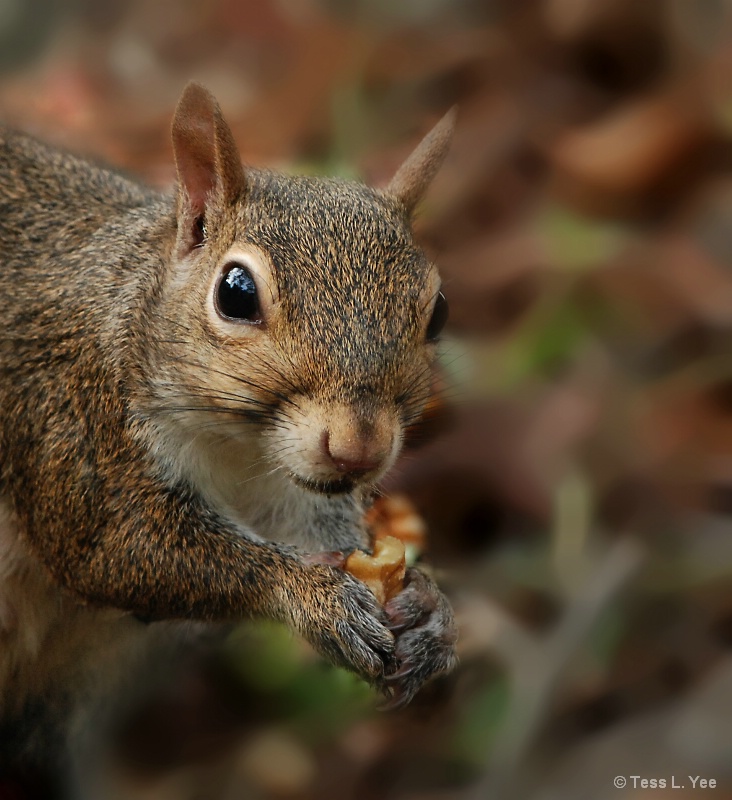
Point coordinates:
[[283, 398]]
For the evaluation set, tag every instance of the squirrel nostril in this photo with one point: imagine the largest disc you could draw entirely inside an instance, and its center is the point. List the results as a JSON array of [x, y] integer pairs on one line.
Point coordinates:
[[355, 468], [354, 461]]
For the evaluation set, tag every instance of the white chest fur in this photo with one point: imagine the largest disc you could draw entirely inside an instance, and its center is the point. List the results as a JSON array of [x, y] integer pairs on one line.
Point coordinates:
[[237, 478]]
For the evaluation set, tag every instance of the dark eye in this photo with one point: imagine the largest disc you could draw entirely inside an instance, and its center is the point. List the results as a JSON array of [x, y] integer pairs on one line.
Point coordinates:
[[438, 319], [236, 294]]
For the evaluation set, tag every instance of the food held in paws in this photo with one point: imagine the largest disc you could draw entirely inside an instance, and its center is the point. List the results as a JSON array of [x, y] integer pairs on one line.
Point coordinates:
[[396, 516], [383, 572]]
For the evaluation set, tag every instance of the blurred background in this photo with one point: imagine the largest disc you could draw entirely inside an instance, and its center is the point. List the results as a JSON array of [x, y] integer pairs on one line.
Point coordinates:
[[575, 474]]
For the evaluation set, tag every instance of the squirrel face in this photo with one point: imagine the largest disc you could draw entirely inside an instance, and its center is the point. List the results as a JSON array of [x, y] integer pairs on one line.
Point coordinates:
[[321, 313], [339, 327]]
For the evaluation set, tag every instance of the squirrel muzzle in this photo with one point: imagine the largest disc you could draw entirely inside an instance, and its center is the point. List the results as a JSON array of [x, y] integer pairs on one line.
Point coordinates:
[[331, 448]]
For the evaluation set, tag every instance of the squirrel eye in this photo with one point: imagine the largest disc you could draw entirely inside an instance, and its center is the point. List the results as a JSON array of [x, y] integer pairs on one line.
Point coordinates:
[[236, 294], [438, 319]]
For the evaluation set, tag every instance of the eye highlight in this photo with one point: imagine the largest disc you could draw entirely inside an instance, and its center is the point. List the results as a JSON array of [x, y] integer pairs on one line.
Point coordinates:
[[236, 296], [440, 313]]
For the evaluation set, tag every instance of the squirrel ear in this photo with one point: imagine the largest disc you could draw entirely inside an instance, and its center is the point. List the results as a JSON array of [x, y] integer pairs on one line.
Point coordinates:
[[206, 156], [415, 174]]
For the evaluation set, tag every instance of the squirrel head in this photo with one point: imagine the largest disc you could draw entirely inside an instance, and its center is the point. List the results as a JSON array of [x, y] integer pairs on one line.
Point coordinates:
[[313, 312]]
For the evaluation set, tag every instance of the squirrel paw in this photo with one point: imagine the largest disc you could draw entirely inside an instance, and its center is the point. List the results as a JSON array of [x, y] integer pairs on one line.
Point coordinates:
[[422, 621], [345, 624]]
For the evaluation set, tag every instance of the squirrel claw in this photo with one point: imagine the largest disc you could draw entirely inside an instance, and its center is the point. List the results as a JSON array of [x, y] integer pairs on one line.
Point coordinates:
[[397, 624], [404, 671], [348, 624], [396, 700], [422, 622]]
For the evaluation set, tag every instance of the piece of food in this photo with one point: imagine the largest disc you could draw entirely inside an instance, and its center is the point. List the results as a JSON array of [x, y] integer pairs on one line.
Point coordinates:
[[396, 516], [383, 572]]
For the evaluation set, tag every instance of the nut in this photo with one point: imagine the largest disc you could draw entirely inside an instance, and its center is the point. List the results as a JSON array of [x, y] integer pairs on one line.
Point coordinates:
[[383, 572]]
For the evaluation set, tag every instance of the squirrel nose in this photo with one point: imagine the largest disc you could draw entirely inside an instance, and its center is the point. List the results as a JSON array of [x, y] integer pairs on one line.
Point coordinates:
[[355, 456]]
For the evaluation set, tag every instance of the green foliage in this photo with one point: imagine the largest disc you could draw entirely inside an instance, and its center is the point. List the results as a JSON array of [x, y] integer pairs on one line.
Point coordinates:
[[480, 721], [606, 637], [317, 699], [578, 243], [546, 344]]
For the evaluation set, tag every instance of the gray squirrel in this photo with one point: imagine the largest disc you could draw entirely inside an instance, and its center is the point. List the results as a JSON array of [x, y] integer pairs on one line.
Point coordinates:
[[198, 393]]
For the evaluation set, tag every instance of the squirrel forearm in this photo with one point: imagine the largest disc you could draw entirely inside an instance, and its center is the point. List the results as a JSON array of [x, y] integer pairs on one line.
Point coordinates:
[[112, 530], [167, 556], [181, 561]]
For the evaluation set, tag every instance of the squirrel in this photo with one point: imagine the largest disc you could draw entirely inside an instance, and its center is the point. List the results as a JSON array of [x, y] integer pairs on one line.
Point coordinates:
[[199, 392]]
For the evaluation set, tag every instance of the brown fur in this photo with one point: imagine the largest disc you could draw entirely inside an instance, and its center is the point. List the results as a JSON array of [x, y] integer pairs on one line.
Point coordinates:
[[158, 461]]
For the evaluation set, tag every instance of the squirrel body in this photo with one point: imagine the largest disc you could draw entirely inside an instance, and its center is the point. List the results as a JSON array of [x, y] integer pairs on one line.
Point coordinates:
[[198, 392]]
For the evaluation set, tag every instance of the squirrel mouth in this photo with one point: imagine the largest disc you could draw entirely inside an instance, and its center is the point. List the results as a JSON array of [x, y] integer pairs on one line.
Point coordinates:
[[340, 486]]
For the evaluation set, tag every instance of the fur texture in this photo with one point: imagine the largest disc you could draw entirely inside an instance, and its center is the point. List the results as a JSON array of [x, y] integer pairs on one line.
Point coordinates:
[[162, 461]]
